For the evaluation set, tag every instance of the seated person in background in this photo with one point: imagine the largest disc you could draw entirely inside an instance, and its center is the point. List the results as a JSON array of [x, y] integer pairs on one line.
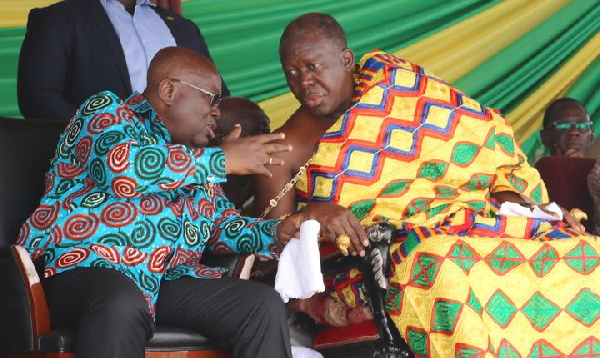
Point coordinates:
[[131, 203], [567, 134], [567, 128], [76, 48], [246, 118], [402, 146]]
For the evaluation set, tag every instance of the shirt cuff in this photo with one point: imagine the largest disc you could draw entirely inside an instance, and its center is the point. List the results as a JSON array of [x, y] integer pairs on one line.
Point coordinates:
[[210, 165]]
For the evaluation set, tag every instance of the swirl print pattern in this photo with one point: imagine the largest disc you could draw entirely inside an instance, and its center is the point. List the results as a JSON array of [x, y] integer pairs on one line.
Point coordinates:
[[118, 195]]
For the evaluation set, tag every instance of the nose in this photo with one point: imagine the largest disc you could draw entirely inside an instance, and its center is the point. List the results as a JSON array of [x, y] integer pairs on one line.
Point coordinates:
[[306, 78], [573, 131], [215, 114]]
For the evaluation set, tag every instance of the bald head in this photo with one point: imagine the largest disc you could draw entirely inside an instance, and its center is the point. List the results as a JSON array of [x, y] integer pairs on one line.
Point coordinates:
[[178, 62], [184, 89], [311, 24]]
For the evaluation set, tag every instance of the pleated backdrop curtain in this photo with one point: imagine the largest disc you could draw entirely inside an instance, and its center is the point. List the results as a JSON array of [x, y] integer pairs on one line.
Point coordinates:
[[514, 55]]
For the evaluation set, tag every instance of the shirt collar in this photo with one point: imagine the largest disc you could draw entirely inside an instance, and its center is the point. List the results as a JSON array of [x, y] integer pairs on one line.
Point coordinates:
[[140, 105], [137, 2]]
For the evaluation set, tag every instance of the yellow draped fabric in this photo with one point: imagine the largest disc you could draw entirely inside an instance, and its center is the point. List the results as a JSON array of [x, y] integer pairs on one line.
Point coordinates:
[[14, 12], [465, 282]]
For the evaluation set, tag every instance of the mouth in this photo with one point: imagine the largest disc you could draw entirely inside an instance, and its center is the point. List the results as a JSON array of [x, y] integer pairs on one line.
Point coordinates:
[[313, 100], [575, 145]]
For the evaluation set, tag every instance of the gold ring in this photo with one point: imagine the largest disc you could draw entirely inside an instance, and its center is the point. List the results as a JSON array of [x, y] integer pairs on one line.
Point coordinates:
[[343, 243]]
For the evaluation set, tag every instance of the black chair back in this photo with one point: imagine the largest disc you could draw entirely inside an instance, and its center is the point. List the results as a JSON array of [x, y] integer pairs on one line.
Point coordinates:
[[26, 148]]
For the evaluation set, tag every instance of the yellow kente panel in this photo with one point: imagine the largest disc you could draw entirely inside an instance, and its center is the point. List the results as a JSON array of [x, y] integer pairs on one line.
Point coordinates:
[[363, 126], [526, 119]]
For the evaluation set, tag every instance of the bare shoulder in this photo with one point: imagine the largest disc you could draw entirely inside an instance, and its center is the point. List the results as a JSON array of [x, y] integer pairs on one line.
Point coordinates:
[[297, 131]]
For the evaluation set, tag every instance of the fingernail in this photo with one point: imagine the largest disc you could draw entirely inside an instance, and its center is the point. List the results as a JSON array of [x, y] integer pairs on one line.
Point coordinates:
[[362, 253], [366, 243], [282, 135], [290, 148]]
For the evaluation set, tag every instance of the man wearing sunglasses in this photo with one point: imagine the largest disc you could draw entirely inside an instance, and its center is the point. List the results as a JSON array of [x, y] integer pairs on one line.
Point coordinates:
[[567, 128], [131, 205]]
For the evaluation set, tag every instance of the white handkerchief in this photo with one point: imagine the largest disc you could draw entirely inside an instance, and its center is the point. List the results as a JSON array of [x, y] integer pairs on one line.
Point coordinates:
[[513, 209], [303, 352], [299, 269]]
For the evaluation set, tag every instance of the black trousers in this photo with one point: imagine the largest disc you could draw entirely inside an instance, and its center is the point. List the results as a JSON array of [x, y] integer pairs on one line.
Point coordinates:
[[111, 317]]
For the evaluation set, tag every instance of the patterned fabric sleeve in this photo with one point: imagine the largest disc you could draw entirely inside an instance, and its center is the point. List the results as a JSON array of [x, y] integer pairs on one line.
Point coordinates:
[[514, 172], [233, 233], [123, 159], [593, 181]]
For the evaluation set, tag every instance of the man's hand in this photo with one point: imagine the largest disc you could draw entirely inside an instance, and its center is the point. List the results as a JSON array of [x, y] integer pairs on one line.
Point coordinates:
[[289, 227], [567, 217], [574, 153], [252, 155], [336, 220], [525, 201]]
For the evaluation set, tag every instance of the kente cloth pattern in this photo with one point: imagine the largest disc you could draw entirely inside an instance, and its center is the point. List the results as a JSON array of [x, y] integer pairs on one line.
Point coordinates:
[[120, 195], [418, 153]]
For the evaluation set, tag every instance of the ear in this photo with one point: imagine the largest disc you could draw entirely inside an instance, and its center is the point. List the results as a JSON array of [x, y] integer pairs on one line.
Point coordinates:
[[547, 139], [166, 91], [348, 60]]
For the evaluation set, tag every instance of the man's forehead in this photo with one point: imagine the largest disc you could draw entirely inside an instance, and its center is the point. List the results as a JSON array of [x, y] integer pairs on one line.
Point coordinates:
[[569, 112], [306, 48], [204, 78]]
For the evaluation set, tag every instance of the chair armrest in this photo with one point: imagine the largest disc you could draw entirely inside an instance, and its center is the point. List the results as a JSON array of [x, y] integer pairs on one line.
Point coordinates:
[[31, 294], [237, 265]]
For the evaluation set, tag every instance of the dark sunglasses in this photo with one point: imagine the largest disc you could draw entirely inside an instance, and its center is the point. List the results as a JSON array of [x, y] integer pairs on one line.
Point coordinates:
[[565, 126], [215, 98]]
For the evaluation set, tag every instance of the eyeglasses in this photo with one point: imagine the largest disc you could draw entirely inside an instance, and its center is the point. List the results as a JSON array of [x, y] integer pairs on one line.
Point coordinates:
[[565, 126], [215, 98]]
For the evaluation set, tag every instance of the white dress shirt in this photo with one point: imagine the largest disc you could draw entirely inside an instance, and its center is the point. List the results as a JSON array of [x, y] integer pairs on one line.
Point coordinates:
[[141, 35]]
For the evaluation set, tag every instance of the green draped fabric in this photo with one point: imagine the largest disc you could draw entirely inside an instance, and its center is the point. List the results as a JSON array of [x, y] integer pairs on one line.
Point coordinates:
[[506, 79], [10, 44], [243, 36]]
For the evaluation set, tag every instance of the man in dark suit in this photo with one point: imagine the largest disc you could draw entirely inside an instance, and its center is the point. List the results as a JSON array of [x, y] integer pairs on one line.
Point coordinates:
[[76, 48]]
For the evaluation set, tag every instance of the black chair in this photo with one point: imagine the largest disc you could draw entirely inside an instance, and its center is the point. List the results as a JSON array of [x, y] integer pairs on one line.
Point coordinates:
[[26, 148]]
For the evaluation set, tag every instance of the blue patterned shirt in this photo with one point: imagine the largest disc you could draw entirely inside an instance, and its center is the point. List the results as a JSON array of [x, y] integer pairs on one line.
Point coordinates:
[[119, 194]]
